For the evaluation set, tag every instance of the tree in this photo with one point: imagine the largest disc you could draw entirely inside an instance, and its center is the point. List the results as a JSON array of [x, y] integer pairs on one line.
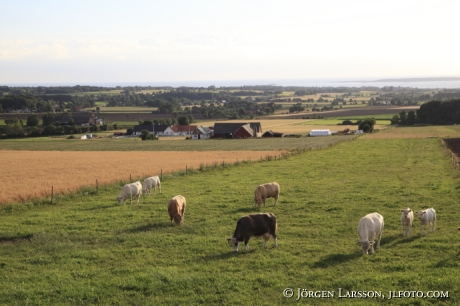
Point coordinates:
[[115, 126], [98, 109], [411, 118], [367, 125], [33, 120], [48, 118], [129, 131], [395, 119], [182, 120], [403, 117]]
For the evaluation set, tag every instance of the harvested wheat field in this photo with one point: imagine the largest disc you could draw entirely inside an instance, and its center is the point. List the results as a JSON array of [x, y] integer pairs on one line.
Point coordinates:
[[31, 174]]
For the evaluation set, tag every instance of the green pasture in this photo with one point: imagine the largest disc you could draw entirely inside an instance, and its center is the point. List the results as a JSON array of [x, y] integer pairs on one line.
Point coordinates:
[[84, 249], [136, 144]]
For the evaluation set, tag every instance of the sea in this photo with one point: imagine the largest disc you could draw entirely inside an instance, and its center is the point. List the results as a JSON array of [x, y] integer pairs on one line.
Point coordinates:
[[420, 83]]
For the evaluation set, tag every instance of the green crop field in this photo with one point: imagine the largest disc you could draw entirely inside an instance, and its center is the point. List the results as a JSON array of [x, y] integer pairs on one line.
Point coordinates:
[[84, 249], [136, 144]]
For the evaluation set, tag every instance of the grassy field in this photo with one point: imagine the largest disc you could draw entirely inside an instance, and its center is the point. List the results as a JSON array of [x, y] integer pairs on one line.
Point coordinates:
[[136, 144], [86, 250]]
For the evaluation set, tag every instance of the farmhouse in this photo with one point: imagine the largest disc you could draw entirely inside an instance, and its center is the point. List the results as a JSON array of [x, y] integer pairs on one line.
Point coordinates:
[[179, 130], [229, 130], [202, 132], [137, 130], [270, 133]]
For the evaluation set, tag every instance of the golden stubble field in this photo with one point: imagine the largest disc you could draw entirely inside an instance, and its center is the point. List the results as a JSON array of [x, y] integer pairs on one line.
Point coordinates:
[[32, 174]]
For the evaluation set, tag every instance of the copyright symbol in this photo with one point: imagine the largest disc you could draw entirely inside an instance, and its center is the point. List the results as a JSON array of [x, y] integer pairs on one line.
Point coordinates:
[[288, 293]]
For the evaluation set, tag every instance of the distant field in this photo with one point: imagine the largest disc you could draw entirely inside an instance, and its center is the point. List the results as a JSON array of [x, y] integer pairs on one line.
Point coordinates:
[[136, 144], [418, 132], [69, 171]]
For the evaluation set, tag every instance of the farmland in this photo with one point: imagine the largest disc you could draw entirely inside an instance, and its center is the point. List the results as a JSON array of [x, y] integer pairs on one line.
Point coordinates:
[[86, 250]]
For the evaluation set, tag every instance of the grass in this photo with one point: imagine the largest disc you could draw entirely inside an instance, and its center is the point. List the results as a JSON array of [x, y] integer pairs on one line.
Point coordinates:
[[86, 250], [136, 144]]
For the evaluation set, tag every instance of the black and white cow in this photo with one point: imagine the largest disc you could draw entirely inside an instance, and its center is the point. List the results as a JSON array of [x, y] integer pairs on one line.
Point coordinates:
[[263, 224]]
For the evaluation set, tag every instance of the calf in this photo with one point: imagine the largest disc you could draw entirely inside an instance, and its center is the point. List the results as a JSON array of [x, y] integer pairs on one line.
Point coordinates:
[[176, 209], [254, 225], [264, 191], [129, 191], [427, 217], [407, 217], [370, 227], [151, 182]]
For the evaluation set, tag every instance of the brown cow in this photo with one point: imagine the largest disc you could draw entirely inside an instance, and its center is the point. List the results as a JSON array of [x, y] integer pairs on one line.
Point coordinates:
[[264, 191], [176, 209], [254, 225]]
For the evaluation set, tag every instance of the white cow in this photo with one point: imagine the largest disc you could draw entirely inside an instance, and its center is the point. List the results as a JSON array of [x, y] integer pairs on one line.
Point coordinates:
[[427, 217], [370, 227], [407, 217], [151, 182], [129, 191]]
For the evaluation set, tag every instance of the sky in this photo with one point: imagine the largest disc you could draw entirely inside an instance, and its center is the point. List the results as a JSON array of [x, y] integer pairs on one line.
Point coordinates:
[[95, 42]]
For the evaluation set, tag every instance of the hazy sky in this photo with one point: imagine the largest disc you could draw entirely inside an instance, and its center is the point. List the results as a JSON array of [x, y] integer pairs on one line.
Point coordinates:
[[99, 41]]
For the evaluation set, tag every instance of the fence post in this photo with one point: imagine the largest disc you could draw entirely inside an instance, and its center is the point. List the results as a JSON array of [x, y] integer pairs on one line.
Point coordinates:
[[130, 180], [97, 187], [52, 194], [185, 170], [161, 174]]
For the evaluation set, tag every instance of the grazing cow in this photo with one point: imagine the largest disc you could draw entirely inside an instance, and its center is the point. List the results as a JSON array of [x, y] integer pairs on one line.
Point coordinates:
[[254, 225], [176, 209], [427, 217], [407, 217], [264, 191], [129, 191], [370, 227], [151, 182]]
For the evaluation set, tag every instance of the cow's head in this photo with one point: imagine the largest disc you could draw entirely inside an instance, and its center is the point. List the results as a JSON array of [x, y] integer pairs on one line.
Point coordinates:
[[178, 219], [421, 215], [234, 243], [365, 246], [119, 200], [258, 201], [405, 213]]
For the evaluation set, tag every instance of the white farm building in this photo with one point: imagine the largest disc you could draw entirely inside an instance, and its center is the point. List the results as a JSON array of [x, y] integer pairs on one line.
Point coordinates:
[[314, 133]]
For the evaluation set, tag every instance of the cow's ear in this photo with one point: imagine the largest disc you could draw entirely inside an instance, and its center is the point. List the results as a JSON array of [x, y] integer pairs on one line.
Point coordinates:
[[401, 210], [410, 210], [228, 239], [359, 242]]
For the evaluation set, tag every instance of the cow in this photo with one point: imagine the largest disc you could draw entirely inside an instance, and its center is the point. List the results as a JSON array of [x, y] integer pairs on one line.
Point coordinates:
[[151, 182], [370, 227], [407, 217], [263, 224], [427, 217], [129, 191], [176, 209], [264, 191]]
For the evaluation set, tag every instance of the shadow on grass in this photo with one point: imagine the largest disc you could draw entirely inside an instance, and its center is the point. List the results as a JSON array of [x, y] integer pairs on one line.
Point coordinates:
[[252, 209], [226, 255], [17, 238], [398, 239], [149, 227], [99, 207], [336, 259]]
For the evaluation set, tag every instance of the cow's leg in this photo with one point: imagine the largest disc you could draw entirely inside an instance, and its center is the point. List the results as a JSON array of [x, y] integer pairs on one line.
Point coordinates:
[[434, 225], [138, 197], [159, 187], [266, 238], [276, 198], [246, 245], [378, 241]]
